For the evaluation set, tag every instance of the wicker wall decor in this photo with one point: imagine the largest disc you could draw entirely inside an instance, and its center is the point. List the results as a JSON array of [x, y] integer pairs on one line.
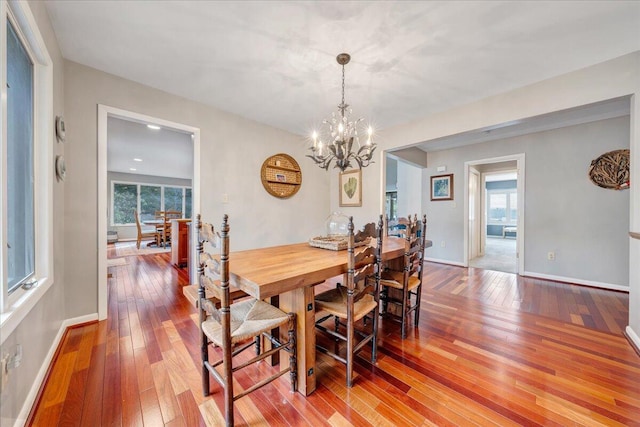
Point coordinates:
[[281, 176], [611, 170]]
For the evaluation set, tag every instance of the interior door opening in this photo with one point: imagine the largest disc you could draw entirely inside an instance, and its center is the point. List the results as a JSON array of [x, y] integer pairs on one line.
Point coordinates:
[[106, 209], [493, 206]]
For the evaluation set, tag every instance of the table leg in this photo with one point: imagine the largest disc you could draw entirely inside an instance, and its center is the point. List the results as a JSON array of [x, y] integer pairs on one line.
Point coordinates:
[[275, 359], [301, 302]]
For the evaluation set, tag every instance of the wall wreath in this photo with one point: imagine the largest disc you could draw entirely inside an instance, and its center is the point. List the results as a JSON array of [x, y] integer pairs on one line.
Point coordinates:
[[611, 170]]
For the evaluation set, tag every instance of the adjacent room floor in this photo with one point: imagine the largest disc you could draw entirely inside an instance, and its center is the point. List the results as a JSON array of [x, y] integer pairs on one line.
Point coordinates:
[[499, 255]]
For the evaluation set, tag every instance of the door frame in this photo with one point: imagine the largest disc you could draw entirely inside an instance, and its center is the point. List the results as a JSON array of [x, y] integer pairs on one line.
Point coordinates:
[[479, 213], [520, 235], [104, 112]]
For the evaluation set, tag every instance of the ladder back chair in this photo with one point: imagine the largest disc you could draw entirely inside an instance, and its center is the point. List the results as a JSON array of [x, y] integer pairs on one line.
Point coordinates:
[[403, 287], [144, 234], [236, 327], [166, 227], [347, 305]]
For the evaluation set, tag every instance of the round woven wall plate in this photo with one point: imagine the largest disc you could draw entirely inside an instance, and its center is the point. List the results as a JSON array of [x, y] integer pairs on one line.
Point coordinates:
[[611, 170], [281, 176]]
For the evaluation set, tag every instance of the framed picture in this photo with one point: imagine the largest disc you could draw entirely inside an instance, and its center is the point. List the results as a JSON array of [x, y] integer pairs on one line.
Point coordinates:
[[442, 187], [281, 177], [351, 188]]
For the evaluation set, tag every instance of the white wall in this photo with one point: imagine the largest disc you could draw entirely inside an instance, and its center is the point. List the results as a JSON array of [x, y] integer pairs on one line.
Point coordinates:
[[410, 192], [232, 151], [38, 330], [585, 225]]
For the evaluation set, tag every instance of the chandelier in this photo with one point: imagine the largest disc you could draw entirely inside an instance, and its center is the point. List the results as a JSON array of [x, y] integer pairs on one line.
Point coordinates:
[[335, 141]]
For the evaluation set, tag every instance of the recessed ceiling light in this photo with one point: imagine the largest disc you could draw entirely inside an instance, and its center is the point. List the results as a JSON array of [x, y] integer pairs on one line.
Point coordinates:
[[133, 169], [135, 159], [154, 127]]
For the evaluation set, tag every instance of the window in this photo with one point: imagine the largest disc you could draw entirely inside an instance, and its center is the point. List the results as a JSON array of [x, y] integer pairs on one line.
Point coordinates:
[[20, 226], [150, 201], [125, 201], [173, 198], [146, 199], [26, 167], [502, 207]]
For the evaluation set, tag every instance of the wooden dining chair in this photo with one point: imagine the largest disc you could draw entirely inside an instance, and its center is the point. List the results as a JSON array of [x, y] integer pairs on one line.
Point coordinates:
[[166, 227], [403, 287], [350, 304], [232, 326], [143, 234]]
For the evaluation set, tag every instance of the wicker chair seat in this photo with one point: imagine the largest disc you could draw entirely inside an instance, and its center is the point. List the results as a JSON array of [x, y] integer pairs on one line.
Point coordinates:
[[394, 279], [334, 302], [249, 319]]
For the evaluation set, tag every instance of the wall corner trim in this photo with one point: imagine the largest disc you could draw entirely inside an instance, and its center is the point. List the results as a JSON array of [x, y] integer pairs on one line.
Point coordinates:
[[633, 338], [46, 365]]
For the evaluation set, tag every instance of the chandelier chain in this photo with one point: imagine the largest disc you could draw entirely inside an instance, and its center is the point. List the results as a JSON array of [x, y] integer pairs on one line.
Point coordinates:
[[343, 105]]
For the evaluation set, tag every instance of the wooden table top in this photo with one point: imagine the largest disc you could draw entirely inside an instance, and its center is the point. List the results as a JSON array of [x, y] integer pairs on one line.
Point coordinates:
[[265, 272]]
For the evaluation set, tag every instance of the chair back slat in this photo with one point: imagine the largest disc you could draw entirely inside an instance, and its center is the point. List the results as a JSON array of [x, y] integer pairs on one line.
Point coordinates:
[[206, 233], [364, 272]]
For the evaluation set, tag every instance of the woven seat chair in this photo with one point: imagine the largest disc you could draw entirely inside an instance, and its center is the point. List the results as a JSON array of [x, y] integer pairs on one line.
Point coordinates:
[[236, 327], [403, 288], [350, 304]]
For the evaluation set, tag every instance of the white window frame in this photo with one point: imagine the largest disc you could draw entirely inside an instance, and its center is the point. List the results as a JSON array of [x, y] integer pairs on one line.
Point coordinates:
[[14, 307], [148, 184]]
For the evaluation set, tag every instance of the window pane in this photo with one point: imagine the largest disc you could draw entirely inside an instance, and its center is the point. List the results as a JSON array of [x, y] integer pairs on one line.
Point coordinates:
[[149, 201], [125, 201], [513, 202], [173, 199], [497, 207], [20, 170], [187, 203]]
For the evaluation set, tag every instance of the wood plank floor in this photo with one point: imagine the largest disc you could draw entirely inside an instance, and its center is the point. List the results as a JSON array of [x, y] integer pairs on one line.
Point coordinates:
[[491, 349]]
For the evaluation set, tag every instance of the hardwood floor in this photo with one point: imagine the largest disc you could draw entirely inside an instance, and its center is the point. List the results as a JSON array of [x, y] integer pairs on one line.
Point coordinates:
[[492, 349]]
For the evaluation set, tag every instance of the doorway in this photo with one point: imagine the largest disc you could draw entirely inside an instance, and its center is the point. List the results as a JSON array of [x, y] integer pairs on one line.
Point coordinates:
[[104, 113], [494, 208]]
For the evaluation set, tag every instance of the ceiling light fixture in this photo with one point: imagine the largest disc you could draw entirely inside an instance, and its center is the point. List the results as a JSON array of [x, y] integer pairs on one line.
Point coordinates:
[[154, 127], [135, 159], [133, 169], [335, 140]]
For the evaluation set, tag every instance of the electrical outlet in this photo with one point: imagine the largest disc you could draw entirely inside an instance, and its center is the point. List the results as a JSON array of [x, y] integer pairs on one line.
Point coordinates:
[[225, 198], [15, 360], [551, 256], [443, 244]]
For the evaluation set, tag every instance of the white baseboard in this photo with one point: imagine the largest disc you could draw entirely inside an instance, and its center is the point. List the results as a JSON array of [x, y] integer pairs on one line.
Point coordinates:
[[633, 337], [445, 261], [37, 383], [575, 281]]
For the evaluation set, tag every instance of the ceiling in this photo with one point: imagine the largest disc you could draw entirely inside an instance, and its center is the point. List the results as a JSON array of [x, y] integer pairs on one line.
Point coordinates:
[[274, 61], [134, 148]]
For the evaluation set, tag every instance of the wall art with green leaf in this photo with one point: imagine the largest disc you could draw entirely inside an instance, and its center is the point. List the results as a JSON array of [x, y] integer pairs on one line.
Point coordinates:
[[351, 188]]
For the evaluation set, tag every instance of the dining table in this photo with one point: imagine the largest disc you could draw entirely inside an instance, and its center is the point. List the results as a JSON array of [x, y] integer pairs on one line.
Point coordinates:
[[289, 273]]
